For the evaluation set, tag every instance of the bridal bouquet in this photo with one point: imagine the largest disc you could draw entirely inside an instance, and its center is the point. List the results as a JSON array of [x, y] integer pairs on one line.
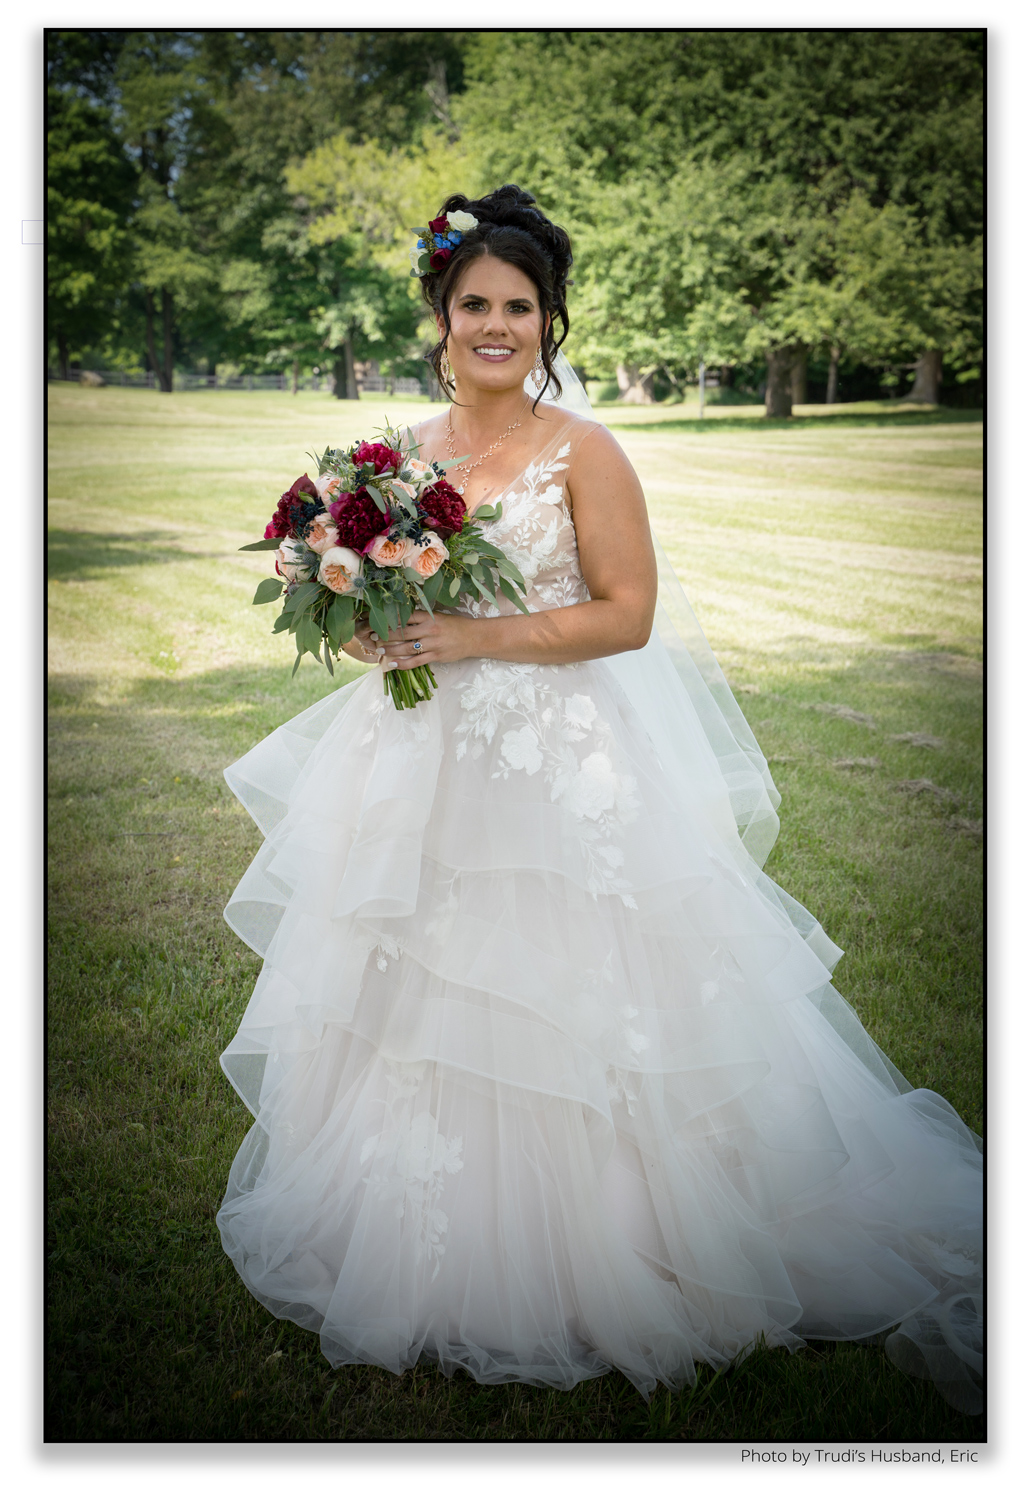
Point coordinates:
[[378, 534]]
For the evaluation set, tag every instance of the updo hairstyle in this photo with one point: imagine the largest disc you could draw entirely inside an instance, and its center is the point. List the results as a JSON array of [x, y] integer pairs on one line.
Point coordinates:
[[514, 230]]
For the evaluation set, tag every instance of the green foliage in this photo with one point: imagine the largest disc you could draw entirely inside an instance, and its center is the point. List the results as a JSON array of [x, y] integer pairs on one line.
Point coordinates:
[[89, 192], [729, 193]]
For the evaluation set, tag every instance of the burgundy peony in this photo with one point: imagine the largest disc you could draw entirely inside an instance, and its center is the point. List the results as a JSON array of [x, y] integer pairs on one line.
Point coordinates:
[[292, 509], [379, 455], [444, 507], [439, 259], [358, 518], [439, 226]]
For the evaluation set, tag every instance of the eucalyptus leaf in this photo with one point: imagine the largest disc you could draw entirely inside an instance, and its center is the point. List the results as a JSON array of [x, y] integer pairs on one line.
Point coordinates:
[[432, 586], [268, 544], [268, 590], [303, 597], [510, 592], [377, 498], [482, 586]]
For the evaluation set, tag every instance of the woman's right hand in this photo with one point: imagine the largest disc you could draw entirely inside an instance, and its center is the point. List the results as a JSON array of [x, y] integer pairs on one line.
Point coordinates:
[[362, 647]]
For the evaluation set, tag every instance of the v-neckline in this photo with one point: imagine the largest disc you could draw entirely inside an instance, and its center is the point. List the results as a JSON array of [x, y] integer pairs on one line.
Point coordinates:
[[515, 478]]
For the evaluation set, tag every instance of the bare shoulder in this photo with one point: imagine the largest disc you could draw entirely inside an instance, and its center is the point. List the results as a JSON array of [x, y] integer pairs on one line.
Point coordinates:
[[429, 431], [599, 459]]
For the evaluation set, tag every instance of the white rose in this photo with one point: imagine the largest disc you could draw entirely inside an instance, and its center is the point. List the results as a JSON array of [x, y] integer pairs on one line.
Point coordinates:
[[339, 568], [328, 487], [322, 534], [288, 554], [580, 711], [520, 748], [593, 790], [461, 221], [421, 472]]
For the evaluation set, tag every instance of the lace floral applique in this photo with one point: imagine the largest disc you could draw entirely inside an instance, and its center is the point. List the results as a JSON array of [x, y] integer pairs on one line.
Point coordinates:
[[410, 1160], [540, 729], [536, 532], [375, 708]]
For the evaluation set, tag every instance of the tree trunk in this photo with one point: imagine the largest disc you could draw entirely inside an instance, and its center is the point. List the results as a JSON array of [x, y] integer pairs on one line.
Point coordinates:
[[928, 368], [340, 384], [799, 378], [150, 338], [63, 356], [349, 368], [835, 356], [167, 371], [778, 387], [634, 388], [294, 379]]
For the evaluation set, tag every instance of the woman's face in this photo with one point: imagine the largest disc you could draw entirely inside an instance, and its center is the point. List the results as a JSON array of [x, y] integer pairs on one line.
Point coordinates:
[[495, 325]]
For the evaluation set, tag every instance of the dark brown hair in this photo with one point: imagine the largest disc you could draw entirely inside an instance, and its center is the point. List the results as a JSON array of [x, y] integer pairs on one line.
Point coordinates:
[[512, 229]]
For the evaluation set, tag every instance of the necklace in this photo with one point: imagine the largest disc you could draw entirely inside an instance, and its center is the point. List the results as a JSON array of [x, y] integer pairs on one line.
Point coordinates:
[[466, 471]]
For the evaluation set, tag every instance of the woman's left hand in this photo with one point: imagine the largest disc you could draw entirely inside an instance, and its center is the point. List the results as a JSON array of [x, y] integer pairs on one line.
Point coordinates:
[[442, 637]]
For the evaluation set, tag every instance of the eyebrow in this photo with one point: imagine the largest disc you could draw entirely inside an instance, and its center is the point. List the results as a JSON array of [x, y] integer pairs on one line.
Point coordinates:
[[478, 297]]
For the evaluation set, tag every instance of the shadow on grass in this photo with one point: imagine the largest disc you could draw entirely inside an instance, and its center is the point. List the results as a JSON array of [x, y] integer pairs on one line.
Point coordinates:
[[152, 1336], [90, 554], [789, 424]]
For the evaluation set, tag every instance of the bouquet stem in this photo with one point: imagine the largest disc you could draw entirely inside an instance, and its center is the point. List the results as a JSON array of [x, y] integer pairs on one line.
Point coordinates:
[[409, 687]]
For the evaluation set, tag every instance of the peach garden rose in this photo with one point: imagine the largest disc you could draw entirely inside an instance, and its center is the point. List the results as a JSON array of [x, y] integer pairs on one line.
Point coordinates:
[[322, 534], [388, 553], [429, 557], [339, 568]]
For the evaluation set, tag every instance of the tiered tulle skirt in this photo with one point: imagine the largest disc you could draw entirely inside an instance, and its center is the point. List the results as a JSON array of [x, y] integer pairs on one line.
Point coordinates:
[[548, 1078]]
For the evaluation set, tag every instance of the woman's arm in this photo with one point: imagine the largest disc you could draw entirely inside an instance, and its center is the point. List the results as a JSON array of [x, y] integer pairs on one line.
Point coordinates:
[[616, 554]]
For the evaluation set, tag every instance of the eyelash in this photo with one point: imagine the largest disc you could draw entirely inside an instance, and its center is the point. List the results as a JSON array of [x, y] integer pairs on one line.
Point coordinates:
[[515, 307]]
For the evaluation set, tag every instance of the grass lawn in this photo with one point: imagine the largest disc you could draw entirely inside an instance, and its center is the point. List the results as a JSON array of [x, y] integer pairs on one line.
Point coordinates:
[[835, 567]]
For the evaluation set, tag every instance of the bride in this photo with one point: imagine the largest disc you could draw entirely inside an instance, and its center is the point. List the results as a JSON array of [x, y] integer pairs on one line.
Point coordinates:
[[548, 1077]]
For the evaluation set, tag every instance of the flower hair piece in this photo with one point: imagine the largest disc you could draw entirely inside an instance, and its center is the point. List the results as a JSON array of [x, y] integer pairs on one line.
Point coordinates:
[[437, 242]]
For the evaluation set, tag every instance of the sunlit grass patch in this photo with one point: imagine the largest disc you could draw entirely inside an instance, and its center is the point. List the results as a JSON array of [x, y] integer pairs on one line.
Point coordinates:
[[837, 574]]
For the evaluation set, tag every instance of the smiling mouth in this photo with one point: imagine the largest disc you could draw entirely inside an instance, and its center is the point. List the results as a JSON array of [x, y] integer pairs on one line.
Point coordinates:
[[494, 351]]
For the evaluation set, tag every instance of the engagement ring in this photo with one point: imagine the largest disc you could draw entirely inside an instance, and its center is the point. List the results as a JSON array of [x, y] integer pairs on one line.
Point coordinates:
[[416, 645]]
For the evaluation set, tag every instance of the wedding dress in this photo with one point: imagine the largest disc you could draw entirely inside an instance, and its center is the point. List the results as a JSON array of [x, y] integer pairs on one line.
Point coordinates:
[[548, 1076]]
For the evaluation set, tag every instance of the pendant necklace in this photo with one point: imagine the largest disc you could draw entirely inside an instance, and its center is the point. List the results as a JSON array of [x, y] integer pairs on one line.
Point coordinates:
[[465, 472]]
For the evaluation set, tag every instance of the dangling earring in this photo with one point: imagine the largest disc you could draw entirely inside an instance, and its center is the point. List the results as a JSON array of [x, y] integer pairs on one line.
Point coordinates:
[[539, 369], [445, 368]]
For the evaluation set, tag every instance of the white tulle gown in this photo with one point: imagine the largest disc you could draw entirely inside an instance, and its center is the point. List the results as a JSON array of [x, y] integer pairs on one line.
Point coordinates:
[[548, 1077]]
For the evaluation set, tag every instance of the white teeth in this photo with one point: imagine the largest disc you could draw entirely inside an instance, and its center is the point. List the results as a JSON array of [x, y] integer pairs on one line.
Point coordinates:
[[494, 351]]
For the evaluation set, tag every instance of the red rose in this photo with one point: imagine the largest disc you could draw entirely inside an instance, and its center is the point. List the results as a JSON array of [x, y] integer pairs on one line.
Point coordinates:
[[358, 520], [292, 509], [444, 507], [379, 455], [439, 226], [439, 259]]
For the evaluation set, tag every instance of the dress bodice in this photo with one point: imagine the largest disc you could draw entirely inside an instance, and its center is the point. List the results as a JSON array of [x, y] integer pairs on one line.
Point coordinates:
[[536, 531]]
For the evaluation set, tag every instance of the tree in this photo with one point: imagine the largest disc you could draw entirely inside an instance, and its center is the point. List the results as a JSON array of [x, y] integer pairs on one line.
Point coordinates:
[[362, 200], [89, 192], [888, 118], [90, 187]]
